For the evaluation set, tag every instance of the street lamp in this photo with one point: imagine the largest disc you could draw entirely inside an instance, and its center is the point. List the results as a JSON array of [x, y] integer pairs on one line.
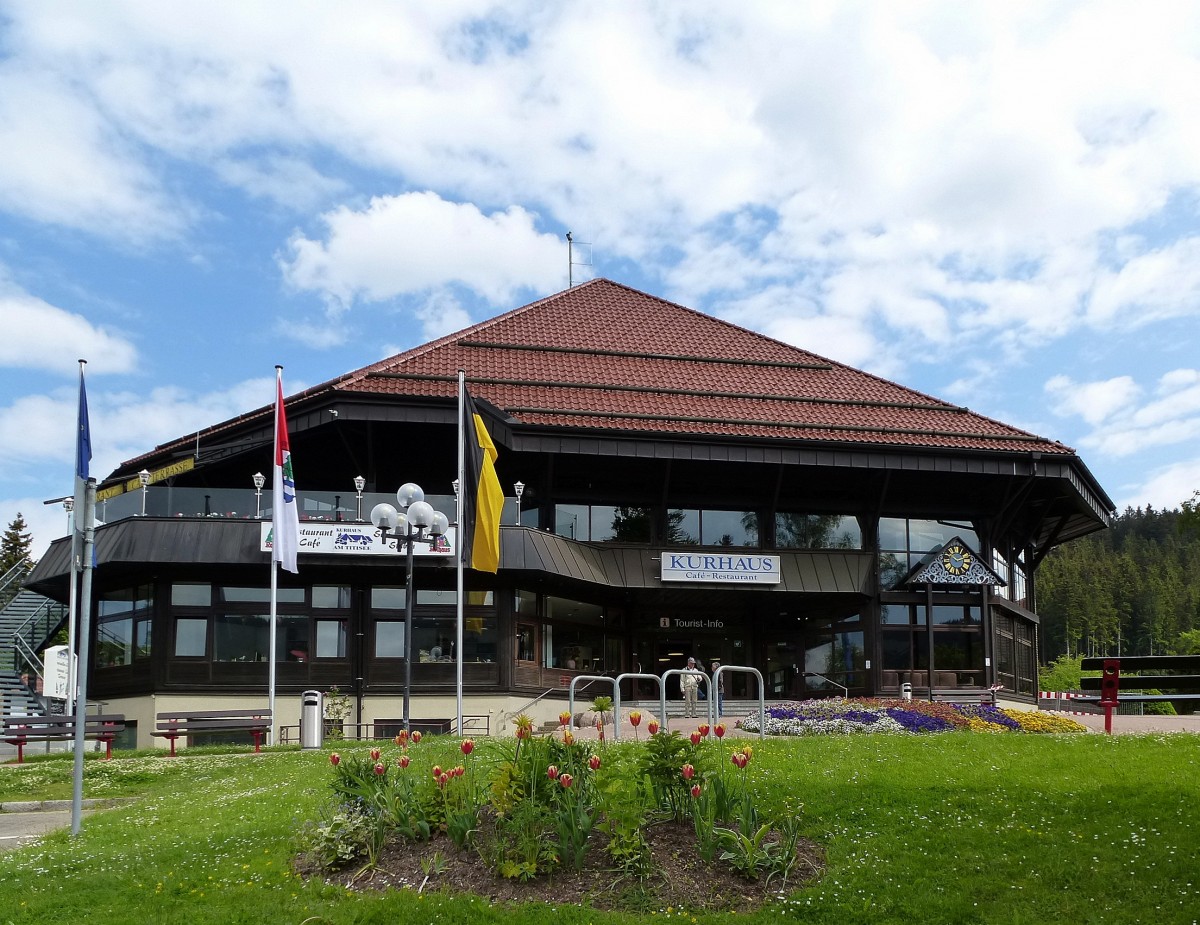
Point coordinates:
[[259, 481], [519, 488], [359, 484], [422, 524], [144, 478]]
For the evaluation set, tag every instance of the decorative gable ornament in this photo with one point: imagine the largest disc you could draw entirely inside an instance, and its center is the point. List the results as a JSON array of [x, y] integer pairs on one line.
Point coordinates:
[[956, 563]]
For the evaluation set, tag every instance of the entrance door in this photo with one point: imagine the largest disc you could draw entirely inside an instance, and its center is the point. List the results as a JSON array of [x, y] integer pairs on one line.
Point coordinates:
[[782, 662]]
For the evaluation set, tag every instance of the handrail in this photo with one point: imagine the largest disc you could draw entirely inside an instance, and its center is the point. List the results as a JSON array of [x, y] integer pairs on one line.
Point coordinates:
[[521, 709], [21, 648], [821, 677], [13, 575], [27, 631]]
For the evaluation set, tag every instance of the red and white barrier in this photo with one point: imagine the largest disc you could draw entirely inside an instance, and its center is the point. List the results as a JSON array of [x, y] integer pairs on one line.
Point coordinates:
[[1060, 696]]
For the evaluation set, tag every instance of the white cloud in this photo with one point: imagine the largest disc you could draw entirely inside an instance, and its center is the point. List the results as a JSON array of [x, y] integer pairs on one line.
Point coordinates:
[[39, 430], [66, 165], [1095, 402], [38, 335], [1158, 284], [1165, 487], [1124, 426], [416, 242]]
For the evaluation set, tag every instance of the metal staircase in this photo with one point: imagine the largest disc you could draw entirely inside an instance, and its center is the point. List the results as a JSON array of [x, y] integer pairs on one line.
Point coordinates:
[[27, 622]]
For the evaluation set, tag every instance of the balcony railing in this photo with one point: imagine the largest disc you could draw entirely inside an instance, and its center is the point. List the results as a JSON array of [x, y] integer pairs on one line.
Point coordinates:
[[241, 504]]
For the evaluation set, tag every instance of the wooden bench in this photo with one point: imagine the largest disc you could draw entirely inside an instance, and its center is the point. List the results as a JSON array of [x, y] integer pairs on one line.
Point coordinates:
[[21, 730], [1112, 683], [174, 725]]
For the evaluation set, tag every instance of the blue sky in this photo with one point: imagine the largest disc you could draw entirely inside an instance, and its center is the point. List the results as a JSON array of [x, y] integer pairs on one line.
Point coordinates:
[[996, 204]]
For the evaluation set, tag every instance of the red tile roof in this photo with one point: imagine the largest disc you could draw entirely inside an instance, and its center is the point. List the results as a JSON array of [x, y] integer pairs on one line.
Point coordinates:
[[607, 357]]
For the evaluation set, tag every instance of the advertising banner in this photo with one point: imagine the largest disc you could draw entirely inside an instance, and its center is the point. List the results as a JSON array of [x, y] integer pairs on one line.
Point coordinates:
[[354, 539]]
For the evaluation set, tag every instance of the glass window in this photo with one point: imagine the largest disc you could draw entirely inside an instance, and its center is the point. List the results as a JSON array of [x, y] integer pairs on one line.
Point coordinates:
[[562, 608], [621, 524], [526, 647], [817, 531], [189, 594], [571, 521], [387, 598], [241, 637], [893, 533], [443, 598], [141, 639], [330, 597], [291, 638], [331, 639], [234, 595], [526, 603], [728, 528], [114, 641], [191, 637], [683, 527], [389, 639]]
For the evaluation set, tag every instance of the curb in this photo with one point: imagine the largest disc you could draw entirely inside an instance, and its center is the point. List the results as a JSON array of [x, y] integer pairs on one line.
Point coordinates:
[[49, 806]]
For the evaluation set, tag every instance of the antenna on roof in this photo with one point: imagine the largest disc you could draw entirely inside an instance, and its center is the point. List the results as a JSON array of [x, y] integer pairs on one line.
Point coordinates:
[[571, 264]]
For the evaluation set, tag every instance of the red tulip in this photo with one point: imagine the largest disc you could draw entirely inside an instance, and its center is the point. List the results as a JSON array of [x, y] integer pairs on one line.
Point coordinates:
[[459, 771], [374, 754], [695, 791], [416, 737], [468, 746], [552, 772], [696, 738], [719, 729], [688, 772], [335, 759], [566, 780], [635, 719], [703, 729], [401, 738], [652, 727], [402, 761], [437, 770], [564, 718], [443, 779], [380, 768], [594, 762]]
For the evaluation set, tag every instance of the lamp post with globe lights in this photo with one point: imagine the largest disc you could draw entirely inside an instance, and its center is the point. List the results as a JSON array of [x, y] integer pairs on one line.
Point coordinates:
[[416, 522]]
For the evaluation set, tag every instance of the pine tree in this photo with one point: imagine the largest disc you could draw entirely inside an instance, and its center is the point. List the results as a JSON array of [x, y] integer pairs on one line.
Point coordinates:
[[15, 546]]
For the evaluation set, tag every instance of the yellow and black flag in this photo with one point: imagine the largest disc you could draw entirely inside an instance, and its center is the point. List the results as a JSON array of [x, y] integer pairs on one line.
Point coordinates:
[[482, 497]]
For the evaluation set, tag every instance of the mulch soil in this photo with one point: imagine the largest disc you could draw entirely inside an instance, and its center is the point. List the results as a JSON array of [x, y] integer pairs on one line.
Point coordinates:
[[678, 877]]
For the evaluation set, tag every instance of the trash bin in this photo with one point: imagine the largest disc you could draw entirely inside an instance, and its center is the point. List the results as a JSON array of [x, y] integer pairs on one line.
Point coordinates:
[[312, 719], [905, 692]]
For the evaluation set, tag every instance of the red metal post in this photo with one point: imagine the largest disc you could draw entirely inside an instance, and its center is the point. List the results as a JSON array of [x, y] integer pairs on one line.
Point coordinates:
[[1110, 690]]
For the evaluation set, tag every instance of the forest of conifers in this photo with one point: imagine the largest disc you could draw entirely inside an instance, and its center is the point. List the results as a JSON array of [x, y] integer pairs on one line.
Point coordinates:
[[1131, 590]]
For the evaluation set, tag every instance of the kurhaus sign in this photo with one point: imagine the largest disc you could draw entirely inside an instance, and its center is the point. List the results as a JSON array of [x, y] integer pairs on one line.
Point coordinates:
[[354, 539], [704, 566]]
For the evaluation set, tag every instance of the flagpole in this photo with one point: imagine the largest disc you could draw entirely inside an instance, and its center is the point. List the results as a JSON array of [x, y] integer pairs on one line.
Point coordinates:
[[85, 508], [461, 552], [72, 610], [85, 609], [83, 456], [276, 505]]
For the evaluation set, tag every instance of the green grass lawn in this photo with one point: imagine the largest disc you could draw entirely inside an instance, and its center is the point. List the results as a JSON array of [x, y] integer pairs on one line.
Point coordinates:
[[953, 828]]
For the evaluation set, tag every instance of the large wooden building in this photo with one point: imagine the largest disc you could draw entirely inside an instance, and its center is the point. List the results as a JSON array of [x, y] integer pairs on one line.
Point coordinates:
[[690, 488]]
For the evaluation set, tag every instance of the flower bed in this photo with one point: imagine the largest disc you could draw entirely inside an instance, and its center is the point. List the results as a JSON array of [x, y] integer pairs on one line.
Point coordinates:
[[840, 716]]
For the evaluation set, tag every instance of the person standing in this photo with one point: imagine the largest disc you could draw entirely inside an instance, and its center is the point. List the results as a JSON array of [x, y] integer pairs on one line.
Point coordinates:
[[718, 683], [689, 683]]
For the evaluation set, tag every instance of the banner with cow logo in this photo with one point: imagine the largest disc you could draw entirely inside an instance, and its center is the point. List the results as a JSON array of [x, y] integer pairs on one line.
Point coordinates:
[[354, 539]]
